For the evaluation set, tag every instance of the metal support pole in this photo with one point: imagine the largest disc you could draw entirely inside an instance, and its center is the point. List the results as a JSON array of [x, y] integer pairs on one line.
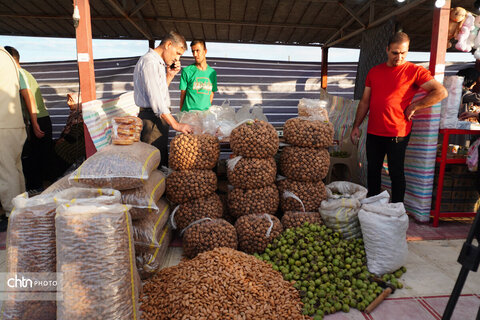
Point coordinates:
[[324, 67]]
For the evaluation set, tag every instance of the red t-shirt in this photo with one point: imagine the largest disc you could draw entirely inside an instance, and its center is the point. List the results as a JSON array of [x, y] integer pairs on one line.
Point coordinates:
[[392, 90]]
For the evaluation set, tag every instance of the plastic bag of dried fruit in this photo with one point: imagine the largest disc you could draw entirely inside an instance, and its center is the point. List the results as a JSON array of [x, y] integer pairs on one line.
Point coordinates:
[[207, 234], [118, 167], [31, 250], [146, 230], [96, 255], [255, 232], [314, 109], [340, 210], [150, 257], [143, 199]]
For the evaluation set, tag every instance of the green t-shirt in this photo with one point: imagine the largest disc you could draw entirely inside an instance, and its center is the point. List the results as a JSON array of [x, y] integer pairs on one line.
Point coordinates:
[[198, 85], [27, 81]]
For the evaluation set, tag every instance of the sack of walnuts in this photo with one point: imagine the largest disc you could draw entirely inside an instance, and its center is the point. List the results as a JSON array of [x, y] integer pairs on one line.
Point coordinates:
[[118, 167], [311, 195], [254, 139], [150, 257], [251, 173], [31, 248], [95, 253], [146, 231], [87, 196], [143, 199], [188, 212], [193, 151], [304, 164], [253, 201], [186, 185], [308, 133], [294, 219], [255, 232], [207, 234]]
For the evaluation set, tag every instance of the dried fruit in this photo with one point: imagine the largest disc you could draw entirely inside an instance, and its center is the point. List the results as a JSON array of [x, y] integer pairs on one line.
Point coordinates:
[[311, 194], [253, 201], [194, 151], [186, 185], [251, 173], [254, 139], [308, 133], [255, 232], [304, 164], [209, 206]]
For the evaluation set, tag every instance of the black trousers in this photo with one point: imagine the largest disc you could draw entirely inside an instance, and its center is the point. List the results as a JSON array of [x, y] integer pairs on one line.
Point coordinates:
[[155, 132], [37, 155], [394, 148]]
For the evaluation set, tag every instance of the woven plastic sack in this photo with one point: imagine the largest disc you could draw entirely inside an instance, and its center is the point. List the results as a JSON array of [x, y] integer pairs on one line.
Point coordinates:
[[207, 234], [384, 229], [255, 232], [30, 249], [210, 206], [150, 257], [95, 253], [118, 167], [146, 231], [87, 196], [143, 199], [341, 215], [345, 189]]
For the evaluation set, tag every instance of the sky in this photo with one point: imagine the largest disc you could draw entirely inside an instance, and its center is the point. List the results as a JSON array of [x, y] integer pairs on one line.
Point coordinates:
[[36, 49]]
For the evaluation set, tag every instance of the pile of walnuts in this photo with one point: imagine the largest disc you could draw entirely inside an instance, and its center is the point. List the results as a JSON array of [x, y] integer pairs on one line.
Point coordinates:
[[194, 151], [255, 232], [254, 139], [252, 170], [311, 193], [293, 219], [187, 185], [305, 163], [207, 234], [210, 206]]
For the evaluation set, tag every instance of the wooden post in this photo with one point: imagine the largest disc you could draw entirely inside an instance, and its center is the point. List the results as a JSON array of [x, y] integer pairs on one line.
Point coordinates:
[[438, 46], [85, 64], [324, 67]]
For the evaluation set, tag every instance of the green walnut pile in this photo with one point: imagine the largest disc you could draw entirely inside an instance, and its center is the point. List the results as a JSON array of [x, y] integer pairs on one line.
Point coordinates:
[[329, 272], [194, 151]]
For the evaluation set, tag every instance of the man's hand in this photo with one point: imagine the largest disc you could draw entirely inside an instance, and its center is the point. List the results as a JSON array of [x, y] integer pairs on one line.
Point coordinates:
[[410, 112], [355, 135], [37, 131], [183, 128], [172, 72], [466, 115]]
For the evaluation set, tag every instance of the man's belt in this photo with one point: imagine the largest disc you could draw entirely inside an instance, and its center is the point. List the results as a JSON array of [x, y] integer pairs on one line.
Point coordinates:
[[145, 109]]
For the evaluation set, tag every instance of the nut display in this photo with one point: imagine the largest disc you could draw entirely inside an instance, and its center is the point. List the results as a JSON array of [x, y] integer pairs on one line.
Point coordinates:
[[304, 164], [255, 232], [147, 230], [194, 151], [293, 219], [188, 212], [251, 173], [254, 139], [207, 234], [308, 133], [118, 167], [311, 194], [220, 284], [253, 201], [186, 185]]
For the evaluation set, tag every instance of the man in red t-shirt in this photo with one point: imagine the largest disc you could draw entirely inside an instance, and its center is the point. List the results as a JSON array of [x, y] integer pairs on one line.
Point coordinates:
[[389, 90]]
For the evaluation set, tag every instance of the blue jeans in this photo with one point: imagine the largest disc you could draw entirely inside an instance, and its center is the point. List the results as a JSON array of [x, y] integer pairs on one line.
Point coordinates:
[[394, 148]]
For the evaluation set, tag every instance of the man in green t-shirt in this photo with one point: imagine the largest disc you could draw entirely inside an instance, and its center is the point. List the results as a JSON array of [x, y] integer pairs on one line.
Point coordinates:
[[198, 81], [38, 147]]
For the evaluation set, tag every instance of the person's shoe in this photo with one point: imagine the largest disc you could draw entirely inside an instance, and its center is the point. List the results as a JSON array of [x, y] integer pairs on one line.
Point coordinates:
[[3, 223]]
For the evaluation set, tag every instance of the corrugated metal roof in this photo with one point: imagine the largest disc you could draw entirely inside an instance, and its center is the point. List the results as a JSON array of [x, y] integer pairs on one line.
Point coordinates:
[[290, 22]]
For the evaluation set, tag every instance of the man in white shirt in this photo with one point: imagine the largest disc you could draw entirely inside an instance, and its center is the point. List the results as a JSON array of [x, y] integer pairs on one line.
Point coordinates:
[[12, 133], [151, 81]]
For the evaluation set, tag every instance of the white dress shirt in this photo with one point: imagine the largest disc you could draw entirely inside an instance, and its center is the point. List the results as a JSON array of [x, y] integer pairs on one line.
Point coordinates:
[[150, 83]]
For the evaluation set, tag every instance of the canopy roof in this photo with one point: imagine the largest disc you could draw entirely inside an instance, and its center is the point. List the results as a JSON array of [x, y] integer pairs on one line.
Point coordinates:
[[289, 22]]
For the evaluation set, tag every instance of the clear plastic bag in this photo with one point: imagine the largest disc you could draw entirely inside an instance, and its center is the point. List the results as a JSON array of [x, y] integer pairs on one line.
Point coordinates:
[[143, 199], [95, 253], [118, 167], [30, 249], [87, 196], [314, 109], [151, 257], [384, 228], [146, 231]]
